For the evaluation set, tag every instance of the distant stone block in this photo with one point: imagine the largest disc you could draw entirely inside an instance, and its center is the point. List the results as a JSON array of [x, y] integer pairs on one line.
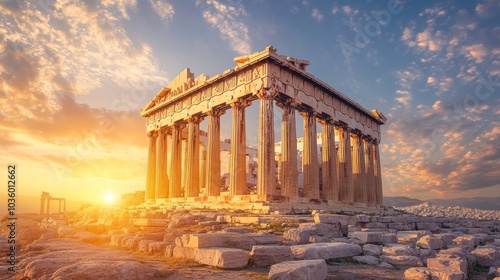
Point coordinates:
[[299, 270]]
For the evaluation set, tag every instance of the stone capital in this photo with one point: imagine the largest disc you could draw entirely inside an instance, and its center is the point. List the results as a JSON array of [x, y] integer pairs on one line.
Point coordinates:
[[267, 94], [240, 103], [326, 120], [215, 112], [289, 102], [195, 119], [153, 134], [308, 113]]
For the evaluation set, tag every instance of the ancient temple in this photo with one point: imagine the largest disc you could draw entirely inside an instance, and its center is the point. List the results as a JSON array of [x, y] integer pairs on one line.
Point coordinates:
[[183, 168]]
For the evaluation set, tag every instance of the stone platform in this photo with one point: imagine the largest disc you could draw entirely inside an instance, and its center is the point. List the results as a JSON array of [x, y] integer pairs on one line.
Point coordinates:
[[261, 204]]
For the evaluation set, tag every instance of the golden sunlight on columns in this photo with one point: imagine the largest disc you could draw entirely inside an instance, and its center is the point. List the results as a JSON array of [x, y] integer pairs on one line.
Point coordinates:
[[362, 171], [346, 193], [151, 177], [266, 156], [358, 168], [176, 161], [377, 174], [161, 166], [213, 153], [289, 173], [328, 160], [310, 156], [370, 186], [237, 164], [192, 173]]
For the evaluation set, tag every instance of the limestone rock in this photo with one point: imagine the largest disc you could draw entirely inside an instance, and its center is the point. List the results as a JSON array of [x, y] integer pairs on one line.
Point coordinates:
[[325, 251], [64, 231], [104, 270], [456, 264], [222, 257], [429, 242], [467, 240], [302, 234], [299, 270], [264, 256], [398, 250], [372, 250], [402, 261], [366, 236], [485, 256], [417, 273], [367, 260]]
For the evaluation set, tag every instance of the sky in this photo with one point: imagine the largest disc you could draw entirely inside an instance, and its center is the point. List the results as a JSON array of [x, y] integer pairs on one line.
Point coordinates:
[[75, 74]]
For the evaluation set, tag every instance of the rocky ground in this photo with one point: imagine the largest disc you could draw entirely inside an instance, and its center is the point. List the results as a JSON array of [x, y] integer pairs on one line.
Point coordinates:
[[199, 244]]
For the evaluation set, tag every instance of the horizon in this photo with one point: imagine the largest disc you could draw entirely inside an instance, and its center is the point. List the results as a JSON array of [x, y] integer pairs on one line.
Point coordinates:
[[74, 77]]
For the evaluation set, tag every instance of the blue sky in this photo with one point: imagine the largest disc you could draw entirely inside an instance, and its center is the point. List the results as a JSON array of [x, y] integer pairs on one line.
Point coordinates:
[[74, 75]]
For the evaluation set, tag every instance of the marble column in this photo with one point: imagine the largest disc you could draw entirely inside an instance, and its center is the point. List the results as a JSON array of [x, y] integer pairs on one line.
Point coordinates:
[[358, 168], [266, 162], [346, 193], [370, 186], [192, 172], [329, 161], [362, 171], [161, 166], [213, 153], [310, 164], [42, 206], [151, 175], [176, 161], [237, 176], [377, 173], [289, 173]]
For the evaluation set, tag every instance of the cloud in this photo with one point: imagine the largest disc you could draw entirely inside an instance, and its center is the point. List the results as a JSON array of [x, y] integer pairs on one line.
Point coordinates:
[[432, 42], [120, 5], [52, 54], [475, 52], [163, 9], [488, 8], [317, 15], [226, 18], [349, 10]]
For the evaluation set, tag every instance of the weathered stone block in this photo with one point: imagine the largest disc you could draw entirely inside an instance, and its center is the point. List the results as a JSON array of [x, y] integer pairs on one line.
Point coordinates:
[[222, 257], [467, 240], [372, 250], [367, 259], [368, 237], [397, 250], [429, 242], [402, 261], [456, 264], [305, 230], [299, 270], [485, 256], [264, 256], [325, 251], [388, 238]]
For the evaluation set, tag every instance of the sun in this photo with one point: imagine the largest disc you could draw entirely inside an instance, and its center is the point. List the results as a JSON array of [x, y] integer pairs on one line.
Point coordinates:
[[110, 198]]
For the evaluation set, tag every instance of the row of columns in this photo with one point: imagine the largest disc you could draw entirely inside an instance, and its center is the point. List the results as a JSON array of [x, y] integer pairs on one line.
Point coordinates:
[[351, 174]]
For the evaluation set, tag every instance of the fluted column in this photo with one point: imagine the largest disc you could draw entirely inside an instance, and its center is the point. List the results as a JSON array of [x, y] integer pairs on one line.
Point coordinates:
[[176, 161], [377, 174], [161, 166], [310, 156], [370, 179], [192, 173], [328, 161], [213, 153], [358, 168], [362, 171], [346, 193], [151, 175], [237, 176], [289, 173], [266, 162]]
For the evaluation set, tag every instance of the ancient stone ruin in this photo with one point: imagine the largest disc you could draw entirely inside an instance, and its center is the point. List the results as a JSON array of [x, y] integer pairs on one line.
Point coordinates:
[[184, 163]]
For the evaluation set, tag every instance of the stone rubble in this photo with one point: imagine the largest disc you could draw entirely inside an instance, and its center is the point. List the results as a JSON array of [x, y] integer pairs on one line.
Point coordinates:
[[290, 246]]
